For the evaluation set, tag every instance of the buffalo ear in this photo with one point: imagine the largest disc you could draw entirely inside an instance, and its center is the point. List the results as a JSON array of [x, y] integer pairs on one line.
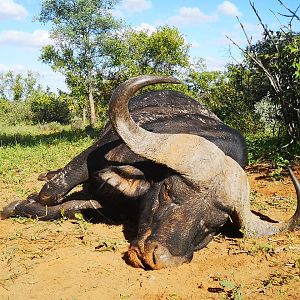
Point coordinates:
[[127, 179]]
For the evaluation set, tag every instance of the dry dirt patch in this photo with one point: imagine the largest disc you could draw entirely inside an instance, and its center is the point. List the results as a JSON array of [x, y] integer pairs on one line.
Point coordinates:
[[78, 260]]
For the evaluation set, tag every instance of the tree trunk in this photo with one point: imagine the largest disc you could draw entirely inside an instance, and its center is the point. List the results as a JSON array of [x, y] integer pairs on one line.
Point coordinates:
[[84, 116], [291, 117], [92, 103]]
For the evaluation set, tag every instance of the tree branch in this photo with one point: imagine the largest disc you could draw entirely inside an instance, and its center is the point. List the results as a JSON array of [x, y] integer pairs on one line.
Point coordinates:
[[274, 81], [294, 15], [266, 31]]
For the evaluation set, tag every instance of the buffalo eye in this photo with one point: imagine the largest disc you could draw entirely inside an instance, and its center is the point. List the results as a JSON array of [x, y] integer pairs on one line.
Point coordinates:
[[166, 194]]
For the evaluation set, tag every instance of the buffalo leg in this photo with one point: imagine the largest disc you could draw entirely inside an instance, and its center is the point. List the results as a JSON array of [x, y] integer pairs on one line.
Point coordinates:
[[34, 209], [60, 182], [77, 171]]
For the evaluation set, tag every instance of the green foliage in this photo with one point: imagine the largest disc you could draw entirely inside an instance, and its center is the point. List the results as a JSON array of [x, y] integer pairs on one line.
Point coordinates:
[[293, 48], [243, 96], [267, 113], [267, 147], [27, 150], [14, 112], [48, 107], [80, 29], [202, 82], [24, 101], [110, 245], [237, 96], [232, 290], [133, 53], [219, 92], [17, 87], [278, 52], [124, 55]]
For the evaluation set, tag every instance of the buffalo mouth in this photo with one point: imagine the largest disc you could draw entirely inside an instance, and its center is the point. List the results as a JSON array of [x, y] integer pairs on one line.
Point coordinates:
[[154, 256]]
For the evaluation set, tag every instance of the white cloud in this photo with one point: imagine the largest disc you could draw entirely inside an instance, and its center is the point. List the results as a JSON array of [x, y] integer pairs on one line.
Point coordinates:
[[195, 44], [145, 27], [9, 9], [134, 6], [229, 9], [117, 13], [15, 68], [190, 16], [35, 39], [45, 75], [215, 64]]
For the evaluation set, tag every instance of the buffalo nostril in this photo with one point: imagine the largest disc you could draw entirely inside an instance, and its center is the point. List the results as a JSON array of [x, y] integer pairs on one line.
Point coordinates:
[[154, 254], [133, 257], [157, 256], [160, 254]]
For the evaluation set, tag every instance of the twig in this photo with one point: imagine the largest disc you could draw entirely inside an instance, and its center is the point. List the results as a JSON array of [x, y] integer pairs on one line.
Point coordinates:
[[274, 81], [249, 40], [281, 25], [230, 55], [3, 286], [266, 31], [292, 12]]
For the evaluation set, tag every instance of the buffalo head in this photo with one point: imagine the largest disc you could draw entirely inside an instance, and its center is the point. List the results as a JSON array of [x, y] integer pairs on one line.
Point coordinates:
[[196, 191]]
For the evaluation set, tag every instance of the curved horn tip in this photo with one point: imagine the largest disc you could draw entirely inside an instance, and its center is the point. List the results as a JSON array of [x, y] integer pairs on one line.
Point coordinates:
[[132, 85], [295, 220], [294, 179], [154, 79]]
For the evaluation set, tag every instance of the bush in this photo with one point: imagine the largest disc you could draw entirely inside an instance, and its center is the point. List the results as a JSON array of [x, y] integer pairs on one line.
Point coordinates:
[[268, 147], [47, 107], [14, 112], [268, 113]]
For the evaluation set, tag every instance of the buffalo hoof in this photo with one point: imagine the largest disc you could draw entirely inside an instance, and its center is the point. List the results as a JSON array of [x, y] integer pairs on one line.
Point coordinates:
[[9, 210]]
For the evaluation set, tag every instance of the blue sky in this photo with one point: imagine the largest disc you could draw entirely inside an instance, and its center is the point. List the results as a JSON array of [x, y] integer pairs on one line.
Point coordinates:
[[204, 24]]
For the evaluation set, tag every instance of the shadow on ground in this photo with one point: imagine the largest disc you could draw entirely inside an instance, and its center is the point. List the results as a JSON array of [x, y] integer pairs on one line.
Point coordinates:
[[29, 140]]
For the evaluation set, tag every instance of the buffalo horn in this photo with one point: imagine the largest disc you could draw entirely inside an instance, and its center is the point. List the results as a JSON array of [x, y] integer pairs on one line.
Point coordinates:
[[199, 158]]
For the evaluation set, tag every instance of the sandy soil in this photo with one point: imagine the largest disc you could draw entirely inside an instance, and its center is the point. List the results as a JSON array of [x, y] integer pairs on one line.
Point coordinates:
[[78, 260]]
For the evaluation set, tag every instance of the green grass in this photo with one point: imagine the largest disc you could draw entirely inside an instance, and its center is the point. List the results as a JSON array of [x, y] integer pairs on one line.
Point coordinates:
[[26, 150]]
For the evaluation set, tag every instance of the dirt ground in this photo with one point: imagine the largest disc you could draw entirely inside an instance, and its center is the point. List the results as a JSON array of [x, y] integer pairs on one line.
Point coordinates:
[[79, 260]]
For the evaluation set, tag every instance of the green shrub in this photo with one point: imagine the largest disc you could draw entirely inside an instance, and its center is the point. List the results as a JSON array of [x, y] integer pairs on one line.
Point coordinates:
[[15, 112], [268, 147], [47, 107]]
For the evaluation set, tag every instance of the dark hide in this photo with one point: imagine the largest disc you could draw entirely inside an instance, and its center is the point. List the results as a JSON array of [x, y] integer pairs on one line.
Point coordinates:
[[158, 111]]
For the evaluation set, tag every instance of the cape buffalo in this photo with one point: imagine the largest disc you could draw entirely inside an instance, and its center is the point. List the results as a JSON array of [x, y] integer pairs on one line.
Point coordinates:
[[166, 153]]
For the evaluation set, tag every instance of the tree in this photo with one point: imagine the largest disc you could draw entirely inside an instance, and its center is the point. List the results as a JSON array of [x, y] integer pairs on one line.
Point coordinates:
[[276, 56], [201, 82], [277, 59], [133, 53], [80, 29], [17, 87]]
